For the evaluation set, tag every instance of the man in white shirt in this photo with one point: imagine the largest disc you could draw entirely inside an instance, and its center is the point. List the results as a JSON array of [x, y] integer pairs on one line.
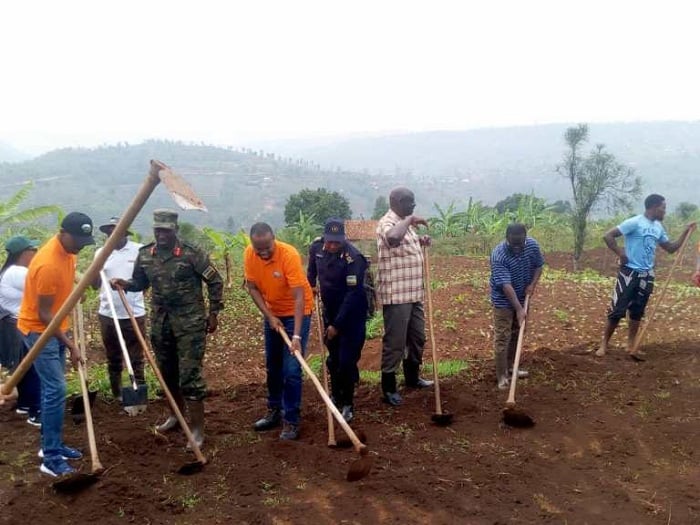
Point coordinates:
[[120, 265]]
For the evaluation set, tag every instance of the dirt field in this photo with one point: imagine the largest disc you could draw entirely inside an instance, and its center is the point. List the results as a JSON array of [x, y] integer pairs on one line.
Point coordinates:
[[614, 441]]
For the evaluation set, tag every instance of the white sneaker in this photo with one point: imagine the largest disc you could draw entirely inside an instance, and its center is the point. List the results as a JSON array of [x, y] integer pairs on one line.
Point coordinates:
[[503, 383]]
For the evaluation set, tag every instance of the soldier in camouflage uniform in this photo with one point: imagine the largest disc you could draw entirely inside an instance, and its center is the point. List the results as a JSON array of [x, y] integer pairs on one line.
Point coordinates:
[[175, 270]]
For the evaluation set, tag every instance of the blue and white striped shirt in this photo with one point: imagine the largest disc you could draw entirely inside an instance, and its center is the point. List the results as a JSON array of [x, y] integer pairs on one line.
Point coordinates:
[[516, 270]]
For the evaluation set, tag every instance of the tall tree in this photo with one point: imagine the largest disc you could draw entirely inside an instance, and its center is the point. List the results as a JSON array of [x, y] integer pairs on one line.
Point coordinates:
[[381, 206], [596, 180], [320, 203]]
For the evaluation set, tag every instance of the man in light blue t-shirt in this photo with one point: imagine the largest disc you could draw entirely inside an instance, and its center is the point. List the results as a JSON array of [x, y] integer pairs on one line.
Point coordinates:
[[635, 280]]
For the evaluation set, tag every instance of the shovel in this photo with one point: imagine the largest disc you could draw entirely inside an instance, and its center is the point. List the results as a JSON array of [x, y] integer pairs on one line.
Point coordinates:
[[188, 468], [360, 467], [76, 482], [134, 399], [440, 417], [511, 415], [183, 195]]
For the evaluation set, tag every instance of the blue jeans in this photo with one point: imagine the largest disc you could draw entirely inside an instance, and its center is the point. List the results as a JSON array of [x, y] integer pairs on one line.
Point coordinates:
[[50, 364], [283, 369]]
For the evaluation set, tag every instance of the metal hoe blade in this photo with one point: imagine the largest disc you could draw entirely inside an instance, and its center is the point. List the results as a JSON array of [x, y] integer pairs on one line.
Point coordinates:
[[517, 418], [180, 191], [361, 467], [74, 483]]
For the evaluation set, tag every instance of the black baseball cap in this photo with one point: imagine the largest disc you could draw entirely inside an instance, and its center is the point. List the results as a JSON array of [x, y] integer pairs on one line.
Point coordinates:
[[79, 226], [334, 230]]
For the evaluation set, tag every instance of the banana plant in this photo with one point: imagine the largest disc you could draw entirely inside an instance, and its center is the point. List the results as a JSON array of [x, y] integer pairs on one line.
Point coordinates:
[[227, 244]]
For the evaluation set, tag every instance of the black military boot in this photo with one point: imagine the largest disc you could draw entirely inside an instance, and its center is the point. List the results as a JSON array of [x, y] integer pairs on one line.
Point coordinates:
[[272, 419], [390, 395], [412, 376], [115, 382]]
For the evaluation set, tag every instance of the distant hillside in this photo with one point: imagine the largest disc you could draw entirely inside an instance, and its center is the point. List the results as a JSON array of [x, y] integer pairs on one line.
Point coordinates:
[[11, 154], [489, 163], [243, 186], [239, 187]]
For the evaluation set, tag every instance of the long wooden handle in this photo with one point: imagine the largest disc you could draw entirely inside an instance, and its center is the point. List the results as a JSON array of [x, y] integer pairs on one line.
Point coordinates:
[[92, 442], [429, 296], [319, 323], [649, 318], [118, 328], [516, 362], [359, 447], [151, 361], [89, 276]]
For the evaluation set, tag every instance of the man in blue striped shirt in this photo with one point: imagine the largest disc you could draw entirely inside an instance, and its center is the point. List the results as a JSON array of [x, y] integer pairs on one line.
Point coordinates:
[[516, 266]]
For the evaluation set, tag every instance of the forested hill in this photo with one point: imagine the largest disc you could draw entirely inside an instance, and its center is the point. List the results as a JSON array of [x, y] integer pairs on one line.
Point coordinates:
[[239, 187], [243, 186], [485, 163]]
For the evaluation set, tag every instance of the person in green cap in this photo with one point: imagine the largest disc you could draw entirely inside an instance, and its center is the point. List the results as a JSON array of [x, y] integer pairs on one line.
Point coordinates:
[[13, 273], [175, 271]]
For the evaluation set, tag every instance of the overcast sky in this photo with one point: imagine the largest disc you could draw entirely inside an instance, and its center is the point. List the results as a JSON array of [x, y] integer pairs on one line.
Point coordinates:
[[226, 72]]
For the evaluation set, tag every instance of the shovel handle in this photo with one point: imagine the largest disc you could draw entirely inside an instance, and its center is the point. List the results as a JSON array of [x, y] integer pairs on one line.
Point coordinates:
[[89, 276], [359, 447], [151, 361], [92, 442], [429, 297], [117, 327], [331, 427], [516, 363]]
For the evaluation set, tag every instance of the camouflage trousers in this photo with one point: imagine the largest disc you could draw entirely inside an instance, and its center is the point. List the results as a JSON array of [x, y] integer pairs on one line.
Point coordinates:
[[180, 358]]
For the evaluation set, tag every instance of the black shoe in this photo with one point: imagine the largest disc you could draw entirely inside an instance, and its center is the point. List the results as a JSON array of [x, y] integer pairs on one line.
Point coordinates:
[[421, 383], [272, 419], [392, 398]]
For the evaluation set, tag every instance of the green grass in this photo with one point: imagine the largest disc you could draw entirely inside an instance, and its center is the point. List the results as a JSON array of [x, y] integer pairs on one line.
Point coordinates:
[[374, 326], [98, 379], [447, 368]]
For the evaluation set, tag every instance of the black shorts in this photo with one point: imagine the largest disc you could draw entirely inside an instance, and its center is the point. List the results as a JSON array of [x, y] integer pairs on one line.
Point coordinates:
[[632, 292]]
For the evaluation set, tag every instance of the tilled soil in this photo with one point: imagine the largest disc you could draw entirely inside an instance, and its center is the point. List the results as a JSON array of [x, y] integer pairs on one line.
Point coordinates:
[[614, 440]]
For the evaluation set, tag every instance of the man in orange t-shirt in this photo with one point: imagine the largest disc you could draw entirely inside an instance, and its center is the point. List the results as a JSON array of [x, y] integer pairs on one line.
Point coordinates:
[[277, 283], [696, 275], [48, 284]]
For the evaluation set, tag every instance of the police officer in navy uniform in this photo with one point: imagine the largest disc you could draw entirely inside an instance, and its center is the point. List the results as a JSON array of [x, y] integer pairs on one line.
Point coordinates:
[[340, 269]]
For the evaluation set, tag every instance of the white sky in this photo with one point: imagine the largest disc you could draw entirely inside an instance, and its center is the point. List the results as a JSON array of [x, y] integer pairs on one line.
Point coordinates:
[[229, 72]]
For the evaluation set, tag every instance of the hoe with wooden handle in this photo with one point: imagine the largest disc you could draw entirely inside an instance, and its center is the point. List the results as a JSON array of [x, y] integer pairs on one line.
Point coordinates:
[[360, 467], [511, 415], [188, 468]]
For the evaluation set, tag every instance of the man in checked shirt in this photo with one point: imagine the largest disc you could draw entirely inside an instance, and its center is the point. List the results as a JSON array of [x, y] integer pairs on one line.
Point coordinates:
[[400, 290]]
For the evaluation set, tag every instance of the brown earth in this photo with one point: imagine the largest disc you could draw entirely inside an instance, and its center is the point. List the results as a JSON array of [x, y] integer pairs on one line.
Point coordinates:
[[614, 441]]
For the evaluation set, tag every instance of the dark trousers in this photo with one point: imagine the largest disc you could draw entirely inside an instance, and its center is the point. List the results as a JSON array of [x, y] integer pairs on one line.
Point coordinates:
[[404, 335], [14, 350], [115, 359], [505, 339], [344, 351]]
